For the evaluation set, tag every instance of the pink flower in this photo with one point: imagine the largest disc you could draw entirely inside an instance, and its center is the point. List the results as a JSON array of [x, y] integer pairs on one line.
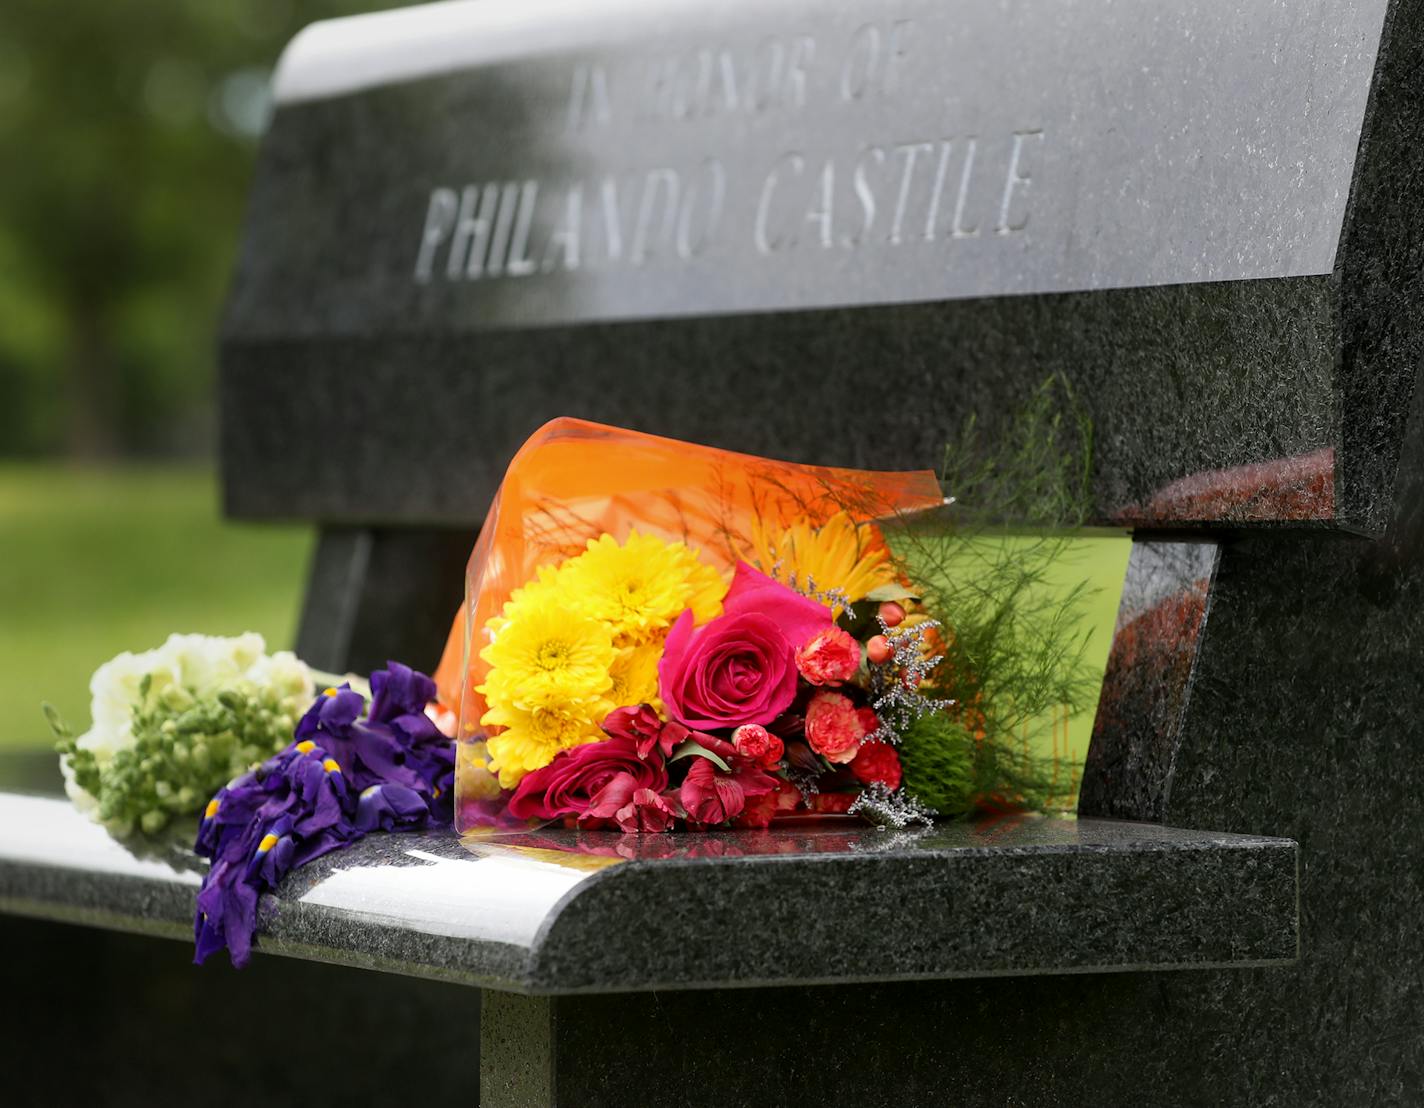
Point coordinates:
[[755, 743], [588, 782], [736, 669], [877, 761], [832, 657], [642, 727], [833, 726], [645, 811], [709, 796], [799, 617], [712, 797]]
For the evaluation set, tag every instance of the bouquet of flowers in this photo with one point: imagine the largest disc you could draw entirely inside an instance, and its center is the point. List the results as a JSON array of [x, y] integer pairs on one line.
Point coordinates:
[[663, 636], [655, 636]]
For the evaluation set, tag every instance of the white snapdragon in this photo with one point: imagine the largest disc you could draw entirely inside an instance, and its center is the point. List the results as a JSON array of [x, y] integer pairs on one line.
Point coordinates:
[[183, 671]]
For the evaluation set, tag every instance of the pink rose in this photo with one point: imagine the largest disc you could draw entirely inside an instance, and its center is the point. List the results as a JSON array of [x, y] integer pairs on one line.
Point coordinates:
[[832, 657], [877, 761], [645, 811], [713, 797], [736, 669], [591, 781], [833, 726], [799, 617]]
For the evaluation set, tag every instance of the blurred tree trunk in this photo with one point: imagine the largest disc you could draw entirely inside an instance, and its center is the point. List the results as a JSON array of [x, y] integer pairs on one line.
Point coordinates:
[[91, 386]]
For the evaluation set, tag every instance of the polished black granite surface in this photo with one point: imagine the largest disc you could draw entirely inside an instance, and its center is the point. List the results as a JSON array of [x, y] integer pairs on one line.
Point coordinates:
[[565, 912], [1221, 402]]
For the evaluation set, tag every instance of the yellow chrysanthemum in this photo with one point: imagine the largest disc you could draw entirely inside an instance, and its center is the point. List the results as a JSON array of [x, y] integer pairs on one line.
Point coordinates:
[[530, 740], [545, 655], [635, 676], [840, 554], [581, 639], [640, 587], [542, 589]]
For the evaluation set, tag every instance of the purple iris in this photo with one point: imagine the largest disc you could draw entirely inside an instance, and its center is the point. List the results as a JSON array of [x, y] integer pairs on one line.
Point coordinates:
[[342, 776]]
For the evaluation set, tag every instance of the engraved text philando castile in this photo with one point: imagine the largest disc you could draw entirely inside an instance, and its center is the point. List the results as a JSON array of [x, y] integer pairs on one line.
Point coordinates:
[[913, 191]]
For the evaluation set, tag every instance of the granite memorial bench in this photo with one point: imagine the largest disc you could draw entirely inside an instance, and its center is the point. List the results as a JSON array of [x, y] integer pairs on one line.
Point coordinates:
[[711, 221]]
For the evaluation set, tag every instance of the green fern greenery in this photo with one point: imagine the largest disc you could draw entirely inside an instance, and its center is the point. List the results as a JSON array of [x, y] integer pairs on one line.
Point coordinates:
[[937, 756], [1014, 646]]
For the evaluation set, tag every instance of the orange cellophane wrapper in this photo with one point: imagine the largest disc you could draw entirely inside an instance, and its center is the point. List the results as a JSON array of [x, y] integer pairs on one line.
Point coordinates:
[[574, 481]]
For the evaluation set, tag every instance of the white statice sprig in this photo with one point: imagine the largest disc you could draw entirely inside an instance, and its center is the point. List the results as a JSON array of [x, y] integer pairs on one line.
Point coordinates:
[[895, 683], [888, 807]]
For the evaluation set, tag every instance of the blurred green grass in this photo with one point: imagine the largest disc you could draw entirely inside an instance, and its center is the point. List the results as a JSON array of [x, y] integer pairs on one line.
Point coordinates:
[[94, 562]]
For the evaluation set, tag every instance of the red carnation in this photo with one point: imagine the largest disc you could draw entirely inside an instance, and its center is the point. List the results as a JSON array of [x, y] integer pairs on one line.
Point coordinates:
[[832, 657], [831, 803], [833, 726], [877, 761], [755, 743]]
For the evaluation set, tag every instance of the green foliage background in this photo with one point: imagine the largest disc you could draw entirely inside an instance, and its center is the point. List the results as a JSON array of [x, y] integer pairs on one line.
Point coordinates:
[[129, 129], [95, 563]]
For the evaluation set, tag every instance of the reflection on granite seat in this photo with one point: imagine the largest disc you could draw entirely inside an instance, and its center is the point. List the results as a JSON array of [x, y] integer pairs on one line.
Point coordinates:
[[561, 911], [824, 834]]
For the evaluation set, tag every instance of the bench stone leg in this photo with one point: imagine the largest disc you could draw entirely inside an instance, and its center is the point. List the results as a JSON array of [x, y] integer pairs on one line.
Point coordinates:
[[379, 593], [516, 1051]]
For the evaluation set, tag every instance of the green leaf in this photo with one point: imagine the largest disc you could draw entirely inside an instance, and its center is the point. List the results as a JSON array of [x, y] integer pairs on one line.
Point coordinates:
[[56, 722], [691, 747]]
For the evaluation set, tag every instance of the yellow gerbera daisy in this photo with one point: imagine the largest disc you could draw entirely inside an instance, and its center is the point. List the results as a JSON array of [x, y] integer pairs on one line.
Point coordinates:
[[546, 655], [530, 740], [640, 587], [840, 554]]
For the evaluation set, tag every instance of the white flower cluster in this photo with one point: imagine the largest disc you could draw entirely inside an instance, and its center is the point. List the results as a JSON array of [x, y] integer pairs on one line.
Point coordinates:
[[184, 671]]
